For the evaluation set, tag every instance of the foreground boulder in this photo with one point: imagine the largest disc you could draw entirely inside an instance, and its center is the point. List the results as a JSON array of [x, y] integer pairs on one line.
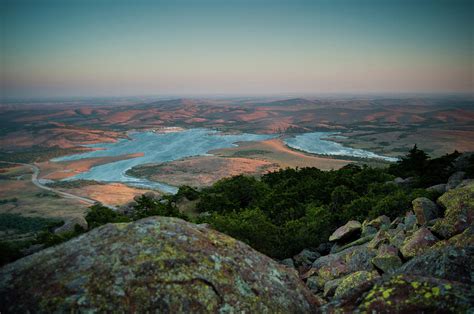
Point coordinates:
[[158, 264]]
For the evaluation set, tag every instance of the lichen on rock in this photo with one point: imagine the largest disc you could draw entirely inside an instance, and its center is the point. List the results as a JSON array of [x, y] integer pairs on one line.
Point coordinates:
[[156, 264]]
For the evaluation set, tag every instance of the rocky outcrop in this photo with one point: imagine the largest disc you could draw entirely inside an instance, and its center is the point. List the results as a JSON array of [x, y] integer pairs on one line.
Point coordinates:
[[403, 266], [157, 264]]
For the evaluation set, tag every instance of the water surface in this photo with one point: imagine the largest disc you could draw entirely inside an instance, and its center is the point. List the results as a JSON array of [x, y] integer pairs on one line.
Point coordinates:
[[316, 143], [156, 147]]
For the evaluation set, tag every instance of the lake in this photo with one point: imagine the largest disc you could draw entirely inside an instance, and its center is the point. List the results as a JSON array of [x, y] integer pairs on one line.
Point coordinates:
[[156, 147], [316, 143], [163, 147]]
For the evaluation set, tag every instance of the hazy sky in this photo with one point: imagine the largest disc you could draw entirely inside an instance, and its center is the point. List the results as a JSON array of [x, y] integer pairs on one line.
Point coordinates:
[[95, 47]]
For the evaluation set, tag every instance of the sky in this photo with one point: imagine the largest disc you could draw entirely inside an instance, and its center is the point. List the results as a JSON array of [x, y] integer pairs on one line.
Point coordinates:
[[118, 48]]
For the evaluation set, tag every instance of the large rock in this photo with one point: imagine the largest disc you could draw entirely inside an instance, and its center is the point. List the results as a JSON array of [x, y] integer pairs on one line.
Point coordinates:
[[450, 263], [387, 259], [455, 179], [462, 240], [459, 214], [352, 281], [158, 264], [343, 233], [425, 210], [419, 242], [350, 260], [413, 294], [451, 259]]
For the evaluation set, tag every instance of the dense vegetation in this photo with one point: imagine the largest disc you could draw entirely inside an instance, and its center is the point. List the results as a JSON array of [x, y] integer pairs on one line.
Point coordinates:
[[19, 232], [291, 209]]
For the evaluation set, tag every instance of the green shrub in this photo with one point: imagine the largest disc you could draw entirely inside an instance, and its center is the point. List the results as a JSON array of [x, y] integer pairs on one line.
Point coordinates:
[[99, 215]]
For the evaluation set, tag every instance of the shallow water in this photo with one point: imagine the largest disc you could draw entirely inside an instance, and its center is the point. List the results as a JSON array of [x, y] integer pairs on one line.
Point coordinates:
[[156, 147], [316, 144]]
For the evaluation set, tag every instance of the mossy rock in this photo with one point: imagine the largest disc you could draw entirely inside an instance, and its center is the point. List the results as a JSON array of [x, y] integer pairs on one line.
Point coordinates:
[[339, 264], [387, 259], [412, 294], [450, 263], [418, 243], [158, 264], [425, 210], [459, 214], [352, 281], [464, 239]]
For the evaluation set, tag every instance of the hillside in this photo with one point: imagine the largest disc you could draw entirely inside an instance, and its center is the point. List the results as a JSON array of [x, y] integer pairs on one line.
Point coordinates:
[[397, 239]]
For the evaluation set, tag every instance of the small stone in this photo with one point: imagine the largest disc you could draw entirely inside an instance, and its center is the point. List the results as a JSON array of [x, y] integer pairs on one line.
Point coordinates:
[[330, 287], [395, 223], [368, 230], [397, 237], [314, 284], [438, 188], [346, 231], [324, 248], [305, 257]]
